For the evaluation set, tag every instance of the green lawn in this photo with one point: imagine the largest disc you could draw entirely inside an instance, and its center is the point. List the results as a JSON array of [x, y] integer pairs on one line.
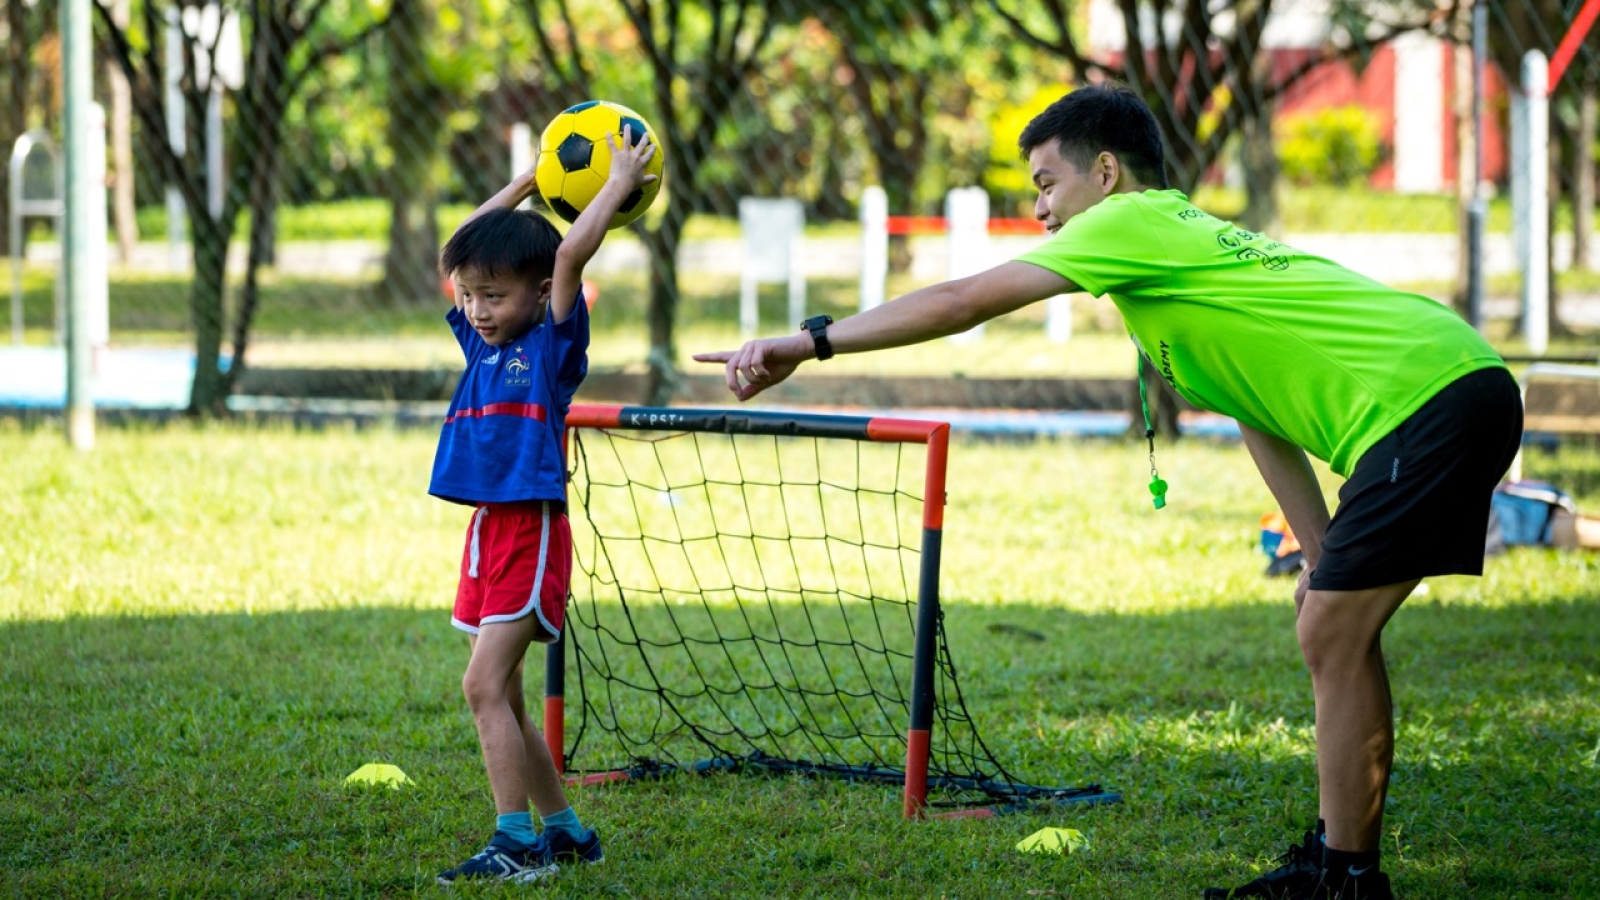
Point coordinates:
[[204, 629]]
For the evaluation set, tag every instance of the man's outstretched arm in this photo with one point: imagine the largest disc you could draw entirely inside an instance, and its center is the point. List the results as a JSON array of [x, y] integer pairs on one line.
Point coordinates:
[[936, 311]]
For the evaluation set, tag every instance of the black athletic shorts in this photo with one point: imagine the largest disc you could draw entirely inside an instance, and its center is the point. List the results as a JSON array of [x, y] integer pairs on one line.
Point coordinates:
[[1417, 503]]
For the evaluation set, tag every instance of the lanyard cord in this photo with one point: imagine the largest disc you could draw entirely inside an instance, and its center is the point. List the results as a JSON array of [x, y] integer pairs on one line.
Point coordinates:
[[1158, 488]]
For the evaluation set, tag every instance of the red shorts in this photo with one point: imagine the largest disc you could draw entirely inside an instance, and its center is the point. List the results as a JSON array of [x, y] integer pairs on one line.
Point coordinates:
[[517, 562]]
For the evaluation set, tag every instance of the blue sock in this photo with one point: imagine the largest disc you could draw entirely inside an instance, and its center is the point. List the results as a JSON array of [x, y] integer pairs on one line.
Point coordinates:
[[519, 826], [564, 821]]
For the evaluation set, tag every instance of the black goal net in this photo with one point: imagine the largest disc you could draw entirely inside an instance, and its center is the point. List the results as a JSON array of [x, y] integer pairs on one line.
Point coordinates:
[[748, 593]]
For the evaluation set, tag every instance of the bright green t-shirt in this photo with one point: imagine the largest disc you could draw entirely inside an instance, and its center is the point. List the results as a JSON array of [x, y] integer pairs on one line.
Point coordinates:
[[1288, 343]]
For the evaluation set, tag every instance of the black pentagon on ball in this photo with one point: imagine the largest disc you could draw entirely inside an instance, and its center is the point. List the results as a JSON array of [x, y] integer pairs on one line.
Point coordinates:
[[631, 201], [581, 106], [575, 152], [633, 127], [562, 208]]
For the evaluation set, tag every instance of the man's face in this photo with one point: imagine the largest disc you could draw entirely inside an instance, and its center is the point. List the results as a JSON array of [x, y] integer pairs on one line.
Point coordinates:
[[500, 307], [1064, 191]]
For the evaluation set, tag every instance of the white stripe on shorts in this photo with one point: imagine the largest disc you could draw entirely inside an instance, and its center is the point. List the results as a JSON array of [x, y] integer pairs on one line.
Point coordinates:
[[477, 522], [533, 605]]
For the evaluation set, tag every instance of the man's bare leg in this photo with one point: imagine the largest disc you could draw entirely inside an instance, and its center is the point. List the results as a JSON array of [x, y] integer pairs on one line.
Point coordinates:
[[1339, 634]]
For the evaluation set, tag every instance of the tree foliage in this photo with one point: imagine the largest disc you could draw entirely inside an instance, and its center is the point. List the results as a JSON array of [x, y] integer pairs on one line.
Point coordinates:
[[285, 41]]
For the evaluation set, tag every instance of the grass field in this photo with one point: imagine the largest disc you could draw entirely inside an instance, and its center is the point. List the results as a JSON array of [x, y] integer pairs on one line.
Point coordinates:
[[204, 629]]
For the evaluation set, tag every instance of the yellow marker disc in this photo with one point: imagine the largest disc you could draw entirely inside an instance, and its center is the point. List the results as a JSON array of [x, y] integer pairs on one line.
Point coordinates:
[[1053, 840], [378, 773]]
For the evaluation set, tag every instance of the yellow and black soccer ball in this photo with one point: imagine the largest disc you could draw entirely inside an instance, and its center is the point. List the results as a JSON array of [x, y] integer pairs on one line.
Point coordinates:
[[575, 159]]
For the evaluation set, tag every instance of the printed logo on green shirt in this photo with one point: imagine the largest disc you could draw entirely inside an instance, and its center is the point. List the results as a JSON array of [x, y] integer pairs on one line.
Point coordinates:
[[1166, 365]]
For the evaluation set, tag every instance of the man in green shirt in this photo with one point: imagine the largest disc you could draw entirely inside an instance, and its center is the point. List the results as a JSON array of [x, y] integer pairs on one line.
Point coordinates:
[[1393, 390]]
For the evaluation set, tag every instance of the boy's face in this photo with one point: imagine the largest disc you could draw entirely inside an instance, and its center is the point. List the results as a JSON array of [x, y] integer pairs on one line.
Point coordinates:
[[500, 307], [1064, 190]]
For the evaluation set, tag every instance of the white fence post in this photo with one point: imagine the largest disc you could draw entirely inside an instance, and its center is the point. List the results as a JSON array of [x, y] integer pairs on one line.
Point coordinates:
[[966, 215], [874, 246], [774, 231], [1535, 268]]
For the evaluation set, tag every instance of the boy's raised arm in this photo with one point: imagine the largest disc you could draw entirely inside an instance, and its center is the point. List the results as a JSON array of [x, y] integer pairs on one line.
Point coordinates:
[[509, 197], [628, 159]]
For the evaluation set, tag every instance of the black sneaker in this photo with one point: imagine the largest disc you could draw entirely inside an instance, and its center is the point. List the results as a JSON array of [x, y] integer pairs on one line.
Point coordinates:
[[1368, 884], [1300, 870], [504, 860], [564, 848]]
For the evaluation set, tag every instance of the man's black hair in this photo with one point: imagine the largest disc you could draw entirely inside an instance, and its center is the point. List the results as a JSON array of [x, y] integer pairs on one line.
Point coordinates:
[[519, 243], [1097, 118]]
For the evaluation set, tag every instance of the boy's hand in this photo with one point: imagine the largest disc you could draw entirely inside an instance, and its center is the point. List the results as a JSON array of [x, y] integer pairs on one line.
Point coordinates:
[[761, 364], [628, 159]]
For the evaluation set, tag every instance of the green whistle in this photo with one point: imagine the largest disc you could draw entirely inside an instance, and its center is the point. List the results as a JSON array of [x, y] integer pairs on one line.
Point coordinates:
[[1158, 490]]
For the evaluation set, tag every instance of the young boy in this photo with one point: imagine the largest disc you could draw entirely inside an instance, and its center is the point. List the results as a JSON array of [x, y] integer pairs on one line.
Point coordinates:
[[1393, 390], [523, 325]]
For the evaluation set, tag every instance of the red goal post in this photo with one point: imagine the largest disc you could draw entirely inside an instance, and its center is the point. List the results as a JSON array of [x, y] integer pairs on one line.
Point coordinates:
[[936, 435]]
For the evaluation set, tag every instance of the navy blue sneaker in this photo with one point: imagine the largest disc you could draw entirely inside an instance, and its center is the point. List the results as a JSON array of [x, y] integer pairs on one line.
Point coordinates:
[[505, 860], [564, 849]]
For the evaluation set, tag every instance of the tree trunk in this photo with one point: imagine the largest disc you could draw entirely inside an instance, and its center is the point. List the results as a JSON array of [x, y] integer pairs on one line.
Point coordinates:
[[209, 394], [662, 243], [265, 102], [831, 202], [1583, 177], [663, 379], [123, 219], [263, 216], [1259, 156], [15, 121], [890, 124], [410, 266], [1261, 212]]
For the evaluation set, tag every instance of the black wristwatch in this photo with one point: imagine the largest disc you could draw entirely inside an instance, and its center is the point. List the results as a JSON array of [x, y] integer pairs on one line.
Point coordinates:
[[818, 326]]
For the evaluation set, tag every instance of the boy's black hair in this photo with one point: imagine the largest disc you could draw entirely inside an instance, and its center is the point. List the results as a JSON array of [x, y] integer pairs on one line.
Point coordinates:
[[520, 243], [1108, 116]]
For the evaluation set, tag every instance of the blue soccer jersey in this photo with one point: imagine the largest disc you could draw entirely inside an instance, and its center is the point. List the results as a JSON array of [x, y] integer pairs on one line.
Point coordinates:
[[502, 439]]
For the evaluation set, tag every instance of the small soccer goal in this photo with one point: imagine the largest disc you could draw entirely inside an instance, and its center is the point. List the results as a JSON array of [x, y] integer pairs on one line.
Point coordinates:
[[759, 591]]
